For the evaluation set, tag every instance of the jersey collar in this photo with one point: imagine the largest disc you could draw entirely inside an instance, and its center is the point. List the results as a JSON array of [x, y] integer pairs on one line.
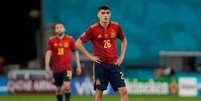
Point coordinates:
[[103, 27]]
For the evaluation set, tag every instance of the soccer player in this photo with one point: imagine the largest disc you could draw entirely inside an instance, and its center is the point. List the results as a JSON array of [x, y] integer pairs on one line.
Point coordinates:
[[58, 60], [103, 35]]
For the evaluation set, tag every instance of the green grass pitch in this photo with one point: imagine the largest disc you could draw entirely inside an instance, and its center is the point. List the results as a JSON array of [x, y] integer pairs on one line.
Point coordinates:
[[46, 97]]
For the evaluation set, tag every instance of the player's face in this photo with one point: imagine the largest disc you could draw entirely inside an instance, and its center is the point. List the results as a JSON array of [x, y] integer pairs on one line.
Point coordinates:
[[59, 29], [104, 15]]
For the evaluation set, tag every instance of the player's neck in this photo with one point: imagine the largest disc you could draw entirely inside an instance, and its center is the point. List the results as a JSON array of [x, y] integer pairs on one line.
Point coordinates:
[[104, 24], [60, 36]]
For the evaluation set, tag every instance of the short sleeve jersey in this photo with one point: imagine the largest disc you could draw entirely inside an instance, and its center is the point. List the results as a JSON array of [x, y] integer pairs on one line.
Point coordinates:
[[104, 40]]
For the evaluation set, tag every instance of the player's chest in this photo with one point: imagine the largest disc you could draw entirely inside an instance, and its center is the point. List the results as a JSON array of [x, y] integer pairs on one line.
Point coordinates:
[[102, 34], [61, 44]]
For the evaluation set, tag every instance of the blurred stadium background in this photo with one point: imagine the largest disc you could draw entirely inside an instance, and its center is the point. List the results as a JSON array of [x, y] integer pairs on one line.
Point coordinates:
[[162, 62]]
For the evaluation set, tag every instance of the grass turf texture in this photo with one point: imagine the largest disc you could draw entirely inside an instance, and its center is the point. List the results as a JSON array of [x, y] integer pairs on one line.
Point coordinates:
[[46, 97]]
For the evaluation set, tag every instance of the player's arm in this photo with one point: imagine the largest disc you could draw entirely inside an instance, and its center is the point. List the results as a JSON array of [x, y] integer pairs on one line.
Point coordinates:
[[123, 39], [80, 45], [123, 47], [83, 49], [123, 51], [47, 61], [77, 58]]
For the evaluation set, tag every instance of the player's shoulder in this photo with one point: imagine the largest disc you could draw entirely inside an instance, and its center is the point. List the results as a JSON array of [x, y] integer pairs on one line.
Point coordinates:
[[69, 36], [94, 25], [52, 37], [115, 23]]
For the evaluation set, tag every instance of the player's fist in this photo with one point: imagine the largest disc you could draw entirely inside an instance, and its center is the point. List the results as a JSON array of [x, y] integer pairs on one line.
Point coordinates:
[[95, 59], [78, 70], [119, 60], [48, 70]]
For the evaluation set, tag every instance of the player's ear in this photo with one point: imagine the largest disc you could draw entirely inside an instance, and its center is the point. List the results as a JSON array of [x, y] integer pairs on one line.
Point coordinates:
[[98, 15]]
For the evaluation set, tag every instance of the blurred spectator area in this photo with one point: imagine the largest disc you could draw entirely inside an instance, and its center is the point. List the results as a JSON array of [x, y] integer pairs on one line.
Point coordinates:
[[2, 62], [181, 61], [150, 25]]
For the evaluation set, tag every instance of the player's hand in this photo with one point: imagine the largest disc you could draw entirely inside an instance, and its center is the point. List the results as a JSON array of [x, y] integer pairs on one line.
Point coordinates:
[[48, 70], [119, 60], [95, 59], [78, 70]]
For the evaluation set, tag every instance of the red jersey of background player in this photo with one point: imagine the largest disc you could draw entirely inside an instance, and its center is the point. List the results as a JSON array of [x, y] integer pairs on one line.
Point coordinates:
[[104, 40], [61, 52]]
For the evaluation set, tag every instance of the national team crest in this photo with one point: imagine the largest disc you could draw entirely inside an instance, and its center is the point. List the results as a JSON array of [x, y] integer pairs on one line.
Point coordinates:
[[66, 44], [113, 34]]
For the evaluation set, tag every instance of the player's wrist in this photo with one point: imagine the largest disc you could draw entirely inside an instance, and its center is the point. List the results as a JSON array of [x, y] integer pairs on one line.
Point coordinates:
[[90, 57], [47, 67], [121, 56], [78, 67]]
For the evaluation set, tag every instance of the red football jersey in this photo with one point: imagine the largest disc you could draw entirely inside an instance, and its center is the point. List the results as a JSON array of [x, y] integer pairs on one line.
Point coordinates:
[[61, 59], [104, 40]]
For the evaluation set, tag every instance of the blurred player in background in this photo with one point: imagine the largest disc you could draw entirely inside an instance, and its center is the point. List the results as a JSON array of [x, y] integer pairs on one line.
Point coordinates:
[[58, 60], [103, 35]]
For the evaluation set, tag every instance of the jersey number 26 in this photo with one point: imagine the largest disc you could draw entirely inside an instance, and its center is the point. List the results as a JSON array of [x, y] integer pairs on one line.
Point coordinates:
[[107, 44]]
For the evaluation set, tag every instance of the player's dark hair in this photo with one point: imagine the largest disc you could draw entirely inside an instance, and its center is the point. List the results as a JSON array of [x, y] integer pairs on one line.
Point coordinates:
[[56, 23], [104, 7]]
